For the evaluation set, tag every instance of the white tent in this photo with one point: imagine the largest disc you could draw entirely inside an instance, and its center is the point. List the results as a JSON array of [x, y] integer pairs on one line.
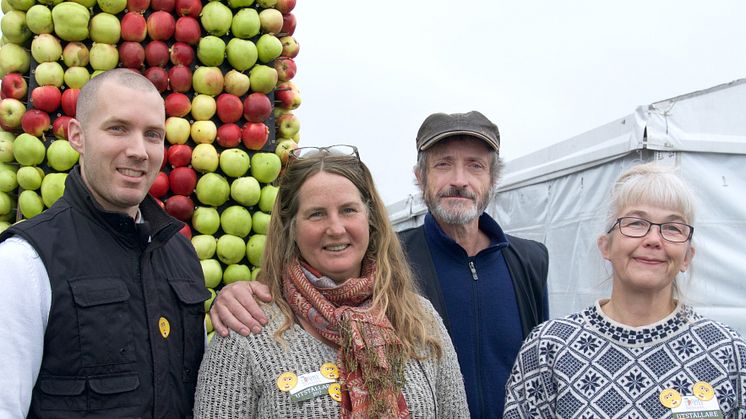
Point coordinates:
[[559, 196]]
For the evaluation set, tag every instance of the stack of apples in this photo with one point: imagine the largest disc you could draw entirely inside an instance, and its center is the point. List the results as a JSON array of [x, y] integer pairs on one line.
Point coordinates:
[[225, 70]]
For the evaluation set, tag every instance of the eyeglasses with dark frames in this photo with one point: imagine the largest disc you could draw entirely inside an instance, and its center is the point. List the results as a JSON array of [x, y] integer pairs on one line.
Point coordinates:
[[332, 150], [639, 227]]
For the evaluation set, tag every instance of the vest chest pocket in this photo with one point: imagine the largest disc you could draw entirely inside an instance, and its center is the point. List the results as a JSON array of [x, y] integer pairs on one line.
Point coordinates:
[[191, 296], [104, 321]]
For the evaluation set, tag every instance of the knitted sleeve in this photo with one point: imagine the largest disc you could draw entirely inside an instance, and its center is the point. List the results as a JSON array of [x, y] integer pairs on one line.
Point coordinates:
[[526, 393], [224, 386], [739, 378], [449, 384]]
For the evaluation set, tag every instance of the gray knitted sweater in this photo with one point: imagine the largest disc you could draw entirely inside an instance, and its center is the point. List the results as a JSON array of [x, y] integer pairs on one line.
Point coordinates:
[[238, 376]]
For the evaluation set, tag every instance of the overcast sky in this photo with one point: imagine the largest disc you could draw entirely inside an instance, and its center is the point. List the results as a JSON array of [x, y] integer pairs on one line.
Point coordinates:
[[543, 71]]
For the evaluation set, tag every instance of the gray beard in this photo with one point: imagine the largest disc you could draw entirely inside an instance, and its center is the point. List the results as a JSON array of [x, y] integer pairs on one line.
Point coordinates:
[[460, 215]]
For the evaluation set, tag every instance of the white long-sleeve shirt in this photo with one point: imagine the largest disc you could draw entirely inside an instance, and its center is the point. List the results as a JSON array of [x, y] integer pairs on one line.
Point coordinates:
[[25, 301]]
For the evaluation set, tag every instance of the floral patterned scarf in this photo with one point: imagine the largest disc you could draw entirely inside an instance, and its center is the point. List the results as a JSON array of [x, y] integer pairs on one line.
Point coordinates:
[[370, 357]]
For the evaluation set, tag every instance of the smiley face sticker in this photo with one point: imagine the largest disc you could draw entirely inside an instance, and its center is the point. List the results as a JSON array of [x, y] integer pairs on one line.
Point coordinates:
[[330, 371], [703, 390], [335, 392], [670, 398], [287, 381]]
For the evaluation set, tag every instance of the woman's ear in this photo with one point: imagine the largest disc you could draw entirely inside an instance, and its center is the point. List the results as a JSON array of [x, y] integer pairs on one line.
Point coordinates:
[[603, 245], [687, 259]]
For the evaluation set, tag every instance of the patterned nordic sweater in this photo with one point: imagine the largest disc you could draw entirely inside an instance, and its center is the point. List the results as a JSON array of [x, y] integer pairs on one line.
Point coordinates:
[[238, 376], [588, 366]]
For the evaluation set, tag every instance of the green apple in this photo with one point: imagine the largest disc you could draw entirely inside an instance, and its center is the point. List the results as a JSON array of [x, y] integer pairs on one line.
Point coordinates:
[[49, 74], [216, 18], [75, 77], [105, 28], [71, 21], [39, 19], [52, 187], [231, 249], [265, 167], [255, 249], [29, 150], [6, 204], [260, 222], [205, 158], [246, 191], [236, 220], [177, 130], [6, 147], [255, 273], [30, 204], [14, 59], [236, 272], [267, 199], [112, 6], [212, 271], [30, 177], [203, 132], [208, 302], [204, 245], [234, 162], [263, 78], [208, 323], [241, 53], [245, 24], [203, 107], [4, 226], [103, 57], [206, 220], [46, 48], [14, 27], [213, 189], [61, 156], [211, 51], [8, 179], [268, 48]]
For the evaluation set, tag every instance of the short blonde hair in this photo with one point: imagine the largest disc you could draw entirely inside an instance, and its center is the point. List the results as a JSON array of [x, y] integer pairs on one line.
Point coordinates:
[[651, 184]]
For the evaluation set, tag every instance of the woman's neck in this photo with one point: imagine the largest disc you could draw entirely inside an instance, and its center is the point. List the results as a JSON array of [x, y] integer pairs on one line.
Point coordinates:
[[639, 310]]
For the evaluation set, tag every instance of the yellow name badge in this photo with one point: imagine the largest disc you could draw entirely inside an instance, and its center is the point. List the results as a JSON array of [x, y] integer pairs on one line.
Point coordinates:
[[165, 327]]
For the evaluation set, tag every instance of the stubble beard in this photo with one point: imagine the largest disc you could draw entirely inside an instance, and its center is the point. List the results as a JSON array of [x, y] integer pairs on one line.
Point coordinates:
[[458, 214]]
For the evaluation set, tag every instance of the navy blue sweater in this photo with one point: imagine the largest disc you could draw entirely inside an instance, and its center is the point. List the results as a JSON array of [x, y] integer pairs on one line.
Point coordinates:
[[482, 311]]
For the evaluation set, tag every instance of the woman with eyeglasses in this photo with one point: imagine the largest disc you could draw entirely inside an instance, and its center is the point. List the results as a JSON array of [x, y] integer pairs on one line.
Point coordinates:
[[347, 336], [641, 353]]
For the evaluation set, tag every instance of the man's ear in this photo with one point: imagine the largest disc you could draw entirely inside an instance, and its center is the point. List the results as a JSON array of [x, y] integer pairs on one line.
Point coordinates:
[[75, 136]]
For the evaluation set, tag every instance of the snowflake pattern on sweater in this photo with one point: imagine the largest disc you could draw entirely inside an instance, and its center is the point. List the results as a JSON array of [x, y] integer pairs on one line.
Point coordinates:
[[588, 366]]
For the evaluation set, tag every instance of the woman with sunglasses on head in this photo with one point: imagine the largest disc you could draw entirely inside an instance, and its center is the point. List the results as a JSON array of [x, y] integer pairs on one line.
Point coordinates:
[[642, 353], [347, 336]]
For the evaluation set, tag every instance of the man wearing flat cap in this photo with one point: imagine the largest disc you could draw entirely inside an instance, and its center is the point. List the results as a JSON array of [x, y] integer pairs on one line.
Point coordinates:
[[489, 287]]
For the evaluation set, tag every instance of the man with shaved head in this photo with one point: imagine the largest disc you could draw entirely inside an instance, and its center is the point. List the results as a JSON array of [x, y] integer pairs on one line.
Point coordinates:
[[104, 296]]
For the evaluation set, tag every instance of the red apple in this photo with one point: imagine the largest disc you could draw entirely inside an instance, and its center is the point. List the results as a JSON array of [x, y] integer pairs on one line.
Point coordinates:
[[156, 54], [35, 122], [188, 8], [14, 86], [257, 107], [186, 231], [182, 53], [229, 107], [285, 6], [183, 180], [161, 25], [46, 98], [60, 126], [180, 78], [287, 96], [158, 76], [138, 6], [290, 47], [286, 68], [180, 207], [179, 155], [134, 28], [164, 5], [188, 30], [160, 185], [177, 104], [288, 24], [254, 135], [229, 135], [69, 101], [131, 55]]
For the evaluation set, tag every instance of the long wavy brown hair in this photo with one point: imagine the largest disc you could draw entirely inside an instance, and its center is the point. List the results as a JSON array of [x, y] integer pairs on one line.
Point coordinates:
[[394, 290]]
